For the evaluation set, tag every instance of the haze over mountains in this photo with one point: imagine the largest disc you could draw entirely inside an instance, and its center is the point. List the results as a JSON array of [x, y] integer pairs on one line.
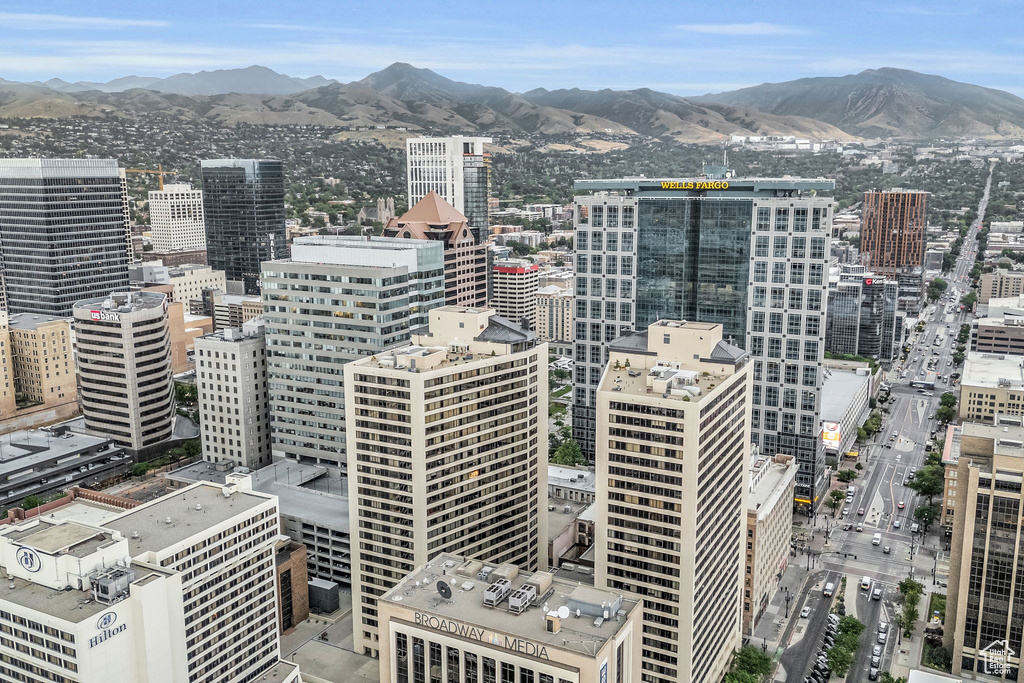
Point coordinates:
[[874, 103]]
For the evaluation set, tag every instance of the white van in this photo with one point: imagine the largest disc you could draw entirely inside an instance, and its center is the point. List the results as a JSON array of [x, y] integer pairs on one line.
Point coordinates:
[[876, 539], [914, 528], [829, 590], [865, 583]]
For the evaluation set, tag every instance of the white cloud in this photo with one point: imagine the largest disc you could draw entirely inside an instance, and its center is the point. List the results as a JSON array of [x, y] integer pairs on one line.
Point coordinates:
[[753, 29], [52, 22]]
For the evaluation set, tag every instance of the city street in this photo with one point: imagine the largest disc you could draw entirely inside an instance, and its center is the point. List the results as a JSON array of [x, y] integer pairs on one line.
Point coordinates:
[[826, 552]]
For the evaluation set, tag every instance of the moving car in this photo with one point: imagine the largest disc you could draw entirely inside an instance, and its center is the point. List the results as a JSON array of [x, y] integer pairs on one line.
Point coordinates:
[[805, 612], [895, 524], [876, 594], [861, 512], [886, 550], [901, 505]]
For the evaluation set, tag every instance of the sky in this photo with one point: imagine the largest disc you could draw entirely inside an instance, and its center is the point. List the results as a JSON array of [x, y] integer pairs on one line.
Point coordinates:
[[686, 48]]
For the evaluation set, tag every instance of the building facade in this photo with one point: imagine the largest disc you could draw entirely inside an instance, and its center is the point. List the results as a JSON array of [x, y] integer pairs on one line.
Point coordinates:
[[514, 285], [447, 439], [985, 604], [1000, 284], [63, 232], [187, 281], [769, 530], [991, 385], [465, 260], [861, 318], [661, 537], [8, 395], [892, 240], [234, 401], [44, 364], [243, 204], [176, 218], [554, 318], [489, 630], [178, 589], [124, 367], [335, 300], [748, 253], [458, 169], [1003, 335]]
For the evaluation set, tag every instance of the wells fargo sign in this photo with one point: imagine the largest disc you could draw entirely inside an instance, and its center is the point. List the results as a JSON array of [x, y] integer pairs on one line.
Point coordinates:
[[695, 185]]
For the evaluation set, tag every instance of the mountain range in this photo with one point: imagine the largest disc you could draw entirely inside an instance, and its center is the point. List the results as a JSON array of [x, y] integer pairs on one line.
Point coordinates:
[[875, 103]]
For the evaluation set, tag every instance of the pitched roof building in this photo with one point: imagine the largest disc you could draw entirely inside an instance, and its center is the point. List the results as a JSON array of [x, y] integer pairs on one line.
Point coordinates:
[[465, 261]]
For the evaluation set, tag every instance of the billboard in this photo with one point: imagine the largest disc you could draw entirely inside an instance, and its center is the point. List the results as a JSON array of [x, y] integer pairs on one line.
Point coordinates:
[[830, 435]]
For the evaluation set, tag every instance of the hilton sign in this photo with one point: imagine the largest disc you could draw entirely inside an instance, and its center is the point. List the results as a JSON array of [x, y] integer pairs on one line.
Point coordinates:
[[105, 316], [524, 647]]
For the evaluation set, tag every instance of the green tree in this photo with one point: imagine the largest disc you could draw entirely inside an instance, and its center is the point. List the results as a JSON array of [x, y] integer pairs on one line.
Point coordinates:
[[561, 375], [31, 502], [568, 453], [835, 499], [936, 288], [839, 660], [928, 482], [926, 514], [752, 661], [969, 300], [846, 476], [947, 399], [139, 469], [740, 677], [945, 414], [193, 447]]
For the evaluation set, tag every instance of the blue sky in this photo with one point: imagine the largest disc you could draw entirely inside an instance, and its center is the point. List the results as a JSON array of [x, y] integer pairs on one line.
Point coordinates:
[[681, 47]]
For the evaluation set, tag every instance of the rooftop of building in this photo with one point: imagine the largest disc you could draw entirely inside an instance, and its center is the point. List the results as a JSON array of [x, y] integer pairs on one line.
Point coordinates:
[[640, 185], [306, 491], [583, 635], [22, 449], [155, 533], [771, 485], [668, 371], [30, 321], [555, 290], [562, 514], [572, 478], [921, 676], [124, 302], [61, 537], [85, 511], [993, 371], [838, 391], [70, 605], [975, 440]]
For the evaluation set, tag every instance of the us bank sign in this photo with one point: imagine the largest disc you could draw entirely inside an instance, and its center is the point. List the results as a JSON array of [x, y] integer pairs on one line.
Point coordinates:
[[524, 647]]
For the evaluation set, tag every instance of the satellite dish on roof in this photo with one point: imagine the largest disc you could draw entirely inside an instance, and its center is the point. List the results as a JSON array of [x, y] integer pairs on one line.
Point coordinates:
[[563, 612], [444, 590]]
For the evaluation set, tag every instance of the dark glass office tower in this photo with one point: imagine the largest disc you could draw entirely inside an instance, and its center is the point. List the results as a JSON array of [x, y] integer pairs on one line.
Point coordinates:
[[62, 232], [244, 204], [748, 253]]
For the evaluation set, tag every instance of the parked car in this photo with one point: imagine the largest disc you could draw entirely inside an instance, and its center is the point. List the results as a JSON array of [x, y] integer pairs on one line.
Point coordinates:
[[861, 512], [883, 627], [876, 651], [882, 638], [805, 612], [873, 674], [895, 524]]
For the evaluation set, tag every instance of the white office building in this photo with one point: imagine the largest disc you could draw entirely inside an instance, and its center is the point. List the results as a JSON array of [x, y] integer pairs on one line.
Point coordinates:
[[179, 589], [176, 218], [234, 403], [458, 169]]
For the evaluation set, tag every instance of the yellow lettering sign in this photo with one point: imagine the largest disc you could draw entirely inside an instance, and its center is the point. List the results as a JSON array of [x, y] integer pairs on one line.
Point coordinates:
[[695, 185]]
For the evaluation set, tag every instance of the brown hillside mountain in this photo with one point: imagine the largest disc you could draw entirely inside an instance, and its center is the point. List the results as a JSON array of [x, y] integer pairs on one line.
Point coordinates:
[[888, 102]]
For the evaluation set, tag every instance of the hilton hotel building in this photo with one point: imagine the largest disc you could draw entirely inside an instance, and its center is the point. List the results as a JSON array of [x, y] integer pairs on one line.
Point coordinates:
[[750, 254], [178, 589], [466, 621]]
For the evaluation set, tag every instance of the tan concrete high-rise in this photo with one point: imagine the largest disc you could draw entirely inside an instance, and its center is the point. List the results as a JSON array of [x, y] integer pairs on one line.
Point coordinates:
[[661, 536], [673, 424], [554, 317], [985, 600], [8, 399], [124, 365], [447, 452], [892, 240], [44, 365]]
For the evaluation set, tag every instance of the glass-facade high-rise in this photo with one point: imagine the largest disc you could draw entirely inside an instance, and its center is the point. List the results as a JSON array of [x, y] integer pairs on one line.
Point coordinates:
[[62, 232], [750, 254], [458, 169], [861, 314], [244, 205]]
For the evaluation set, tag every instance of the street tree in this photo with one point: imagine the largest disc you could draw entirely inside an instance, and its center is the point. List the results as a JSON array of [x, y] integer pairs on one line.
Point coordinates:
[[947, 399], [751, 660], [846, 476], [835, 499], [928, 482], [839, 660], [926, 514], [945, 414], [568, 453]]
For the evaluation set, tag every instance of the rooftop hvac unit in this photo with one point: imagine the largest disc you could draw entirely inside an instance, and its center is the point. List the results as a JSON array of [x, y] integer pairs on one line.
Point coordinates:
[[497, 592], [520, 599], [111, 584]]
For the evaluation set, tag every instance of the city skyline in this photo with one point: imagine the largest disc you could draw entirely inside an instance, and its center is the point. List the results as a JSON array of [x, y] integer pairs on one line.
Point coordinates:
[[690, 52]]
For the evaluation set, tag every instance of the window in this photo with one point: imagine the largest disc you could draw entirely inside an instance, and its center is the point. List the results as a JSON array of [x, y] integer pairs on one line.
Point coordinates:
[[817, 248], [626, 289], [811, 325], [610, 285], [760, 271], [779, 273], [757, 321], [793, 323], [806, 400], [814, 300], [611, 265], [764, 218], [613, 222], [774, 347], [781, 220], [581, 287], [581, 308], [792, 349], [775, 323], [627, 265], [759, 296], [792, 373], [581, 263], [800, 220], [761, 246], [597, 241], [816, 274], [596, 264], [612, 238], [780, 247], [627, 222], [581, 240], [597, 220], [626, 312], [595, 309], [796, 274], [811, 351], [609, 310], [796, 299], [800, 243], [810, 376]]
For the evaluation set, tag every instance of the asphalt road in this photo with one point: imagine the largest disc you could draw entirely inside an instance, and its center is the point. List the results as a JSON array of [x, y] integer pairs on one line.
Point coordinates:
[[882, 487]]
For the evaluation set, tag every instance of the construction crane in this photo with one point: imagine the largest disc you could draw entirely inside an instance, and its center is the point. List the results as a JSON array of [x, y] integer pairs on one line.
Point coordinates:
[[160, 172]]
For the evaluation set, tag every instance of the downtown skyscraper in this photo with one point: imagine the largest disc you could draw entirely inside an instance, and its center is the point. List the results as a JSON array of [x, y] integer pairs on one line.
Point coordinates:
[[750, 254], [63, 232], [458, 169], [244, 204]]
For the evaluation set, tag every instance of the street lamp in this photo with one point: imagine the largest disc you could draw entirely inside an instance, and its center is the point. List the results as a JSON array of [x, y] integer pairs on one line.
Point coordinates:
[[788, 598]]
